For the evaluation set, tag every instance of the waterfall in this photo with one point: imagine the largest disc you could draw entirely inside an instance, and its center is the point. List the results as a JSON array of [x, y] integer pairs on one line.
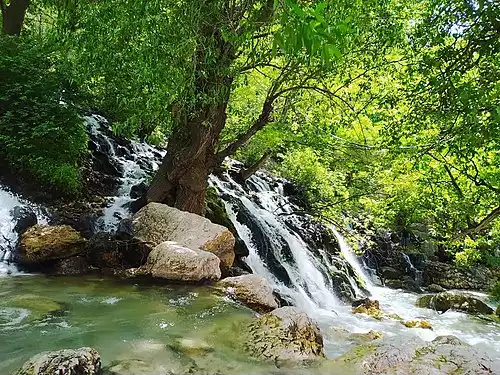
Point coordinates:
[[351, 258], [8, 235], [133, 162], [412, 270], [265, 221]]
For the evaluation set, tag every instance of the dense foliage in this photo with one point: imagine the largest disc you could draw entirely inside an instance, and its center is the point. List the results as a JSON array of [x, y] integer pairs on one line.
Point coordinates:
[[41, 132], [391, 115]]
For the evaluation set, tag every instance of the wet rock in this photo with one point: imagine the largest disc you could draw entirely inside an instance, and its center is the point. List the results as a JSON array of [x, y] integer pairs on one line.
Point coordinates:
[[41, 243], [443, 356], [285, 335], [368, 307], [252, 290], [156, 223], [71, 266], [174, 262], [406, 283], [417, 324], [107, 251], [138, 190], [454, 301], [83, 361], [450, 276], [24, 217], [390, 273], [365, 337], [434, 288]]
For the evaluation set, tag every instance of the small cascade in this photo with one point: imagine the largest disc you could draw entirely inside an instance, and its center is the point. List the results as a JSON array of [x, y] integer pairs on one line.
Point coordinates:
[[133, 161], [351, 258], [266, 221], [412, 270], [9, 204]]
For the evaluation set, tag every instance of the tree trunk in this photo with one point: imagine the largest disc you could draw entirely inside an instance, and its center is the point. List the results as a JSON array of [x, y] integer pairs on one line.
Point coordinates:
[[246, 173], [13, 16], [182, 178]]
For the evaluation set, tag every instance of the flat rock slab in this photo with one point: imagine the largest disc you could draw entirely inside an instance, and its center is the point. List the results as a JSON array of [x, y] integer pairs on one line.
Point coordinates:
[[156, 223]]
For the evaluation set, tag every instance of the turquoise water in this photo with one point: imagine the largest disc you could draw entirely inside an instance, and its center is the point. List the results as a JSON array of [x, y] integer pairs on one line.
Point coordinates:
[[170, 328]]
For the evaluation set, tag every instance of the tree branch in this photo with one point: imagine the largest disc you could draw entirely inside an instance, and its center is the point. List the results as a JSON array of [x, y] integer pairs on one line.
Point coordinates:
[[483, 224]]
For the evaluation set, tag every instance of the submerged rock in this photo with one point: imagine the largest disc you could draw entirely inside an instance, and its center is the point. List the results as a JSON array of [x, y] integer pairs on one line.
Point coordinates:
[[285, 334], [156, 223], [454, 301], [41, 243], [38, 306], [446, 355], [173, 262], [252, 290], [83, 361]]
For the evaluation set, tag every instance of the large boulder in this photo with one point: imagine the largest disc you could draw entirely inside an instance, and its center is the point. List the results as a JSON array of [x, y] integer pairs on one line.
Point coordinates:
[[41, 243], [285, 335], [156, 223], [446, 355], [252, 290], [454, 301], [174, 262], [83, 361]]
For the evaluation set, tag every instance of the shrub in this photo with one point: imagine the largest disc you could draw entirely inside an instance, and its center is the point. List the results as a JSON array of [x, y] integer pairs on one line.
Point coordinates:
[[41, 133]]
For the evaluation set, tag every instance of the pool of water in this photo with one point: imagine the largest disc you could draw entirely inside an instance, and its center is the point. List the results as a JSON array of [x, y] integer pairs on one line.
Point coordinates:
[[183, 329], [171, 327]]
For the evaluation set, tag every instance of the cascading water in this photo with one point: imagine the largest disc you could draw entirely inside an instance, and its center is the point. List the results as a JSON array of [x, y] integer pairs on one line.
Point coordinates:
[[276, 251], [410, 269], [8, 234], [134, 163]]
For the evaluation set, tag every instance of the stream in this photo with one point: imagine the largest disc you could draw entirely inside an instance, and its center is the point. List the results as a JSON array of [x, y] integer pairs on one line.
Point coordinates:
[[125, 320]]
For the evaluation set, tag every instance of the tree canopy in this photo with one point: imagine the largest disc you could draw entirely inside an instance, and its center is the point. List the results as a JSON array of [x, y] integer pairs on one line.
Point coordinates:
[[387, 110]]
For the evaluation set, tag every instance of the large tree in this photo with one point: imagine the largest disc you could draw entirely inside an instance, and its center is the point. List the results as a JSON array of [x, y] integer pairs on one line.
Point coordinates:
[[298, 45]]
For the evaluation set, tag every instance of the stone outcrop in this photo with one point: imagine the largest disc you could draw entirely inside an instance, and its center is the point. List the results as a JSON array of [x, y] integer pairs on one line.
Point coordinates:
[[174, 262], [450, 276], [285, 335], [83, 361], [445, 355], [41, 243], [454, 301], [156, 223], [252, 290]]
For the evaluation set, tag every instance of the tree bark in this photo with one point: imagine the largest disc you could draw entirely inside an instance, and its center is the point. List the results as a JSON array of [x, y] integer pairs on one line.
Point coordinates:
[[246, 173], [13, 16], [182, 178]]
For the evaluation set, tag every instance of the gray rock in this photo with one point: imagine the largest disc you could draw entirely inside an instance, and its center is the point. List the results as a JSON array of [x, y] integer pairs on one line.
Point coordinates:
[[435, 288], [454, 301], [285, 335], [390, 273], [446, 355], [252, 290], [83, 361], [41, 243], [71, 266], [156, 223], [24, 218], [174, 262]]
